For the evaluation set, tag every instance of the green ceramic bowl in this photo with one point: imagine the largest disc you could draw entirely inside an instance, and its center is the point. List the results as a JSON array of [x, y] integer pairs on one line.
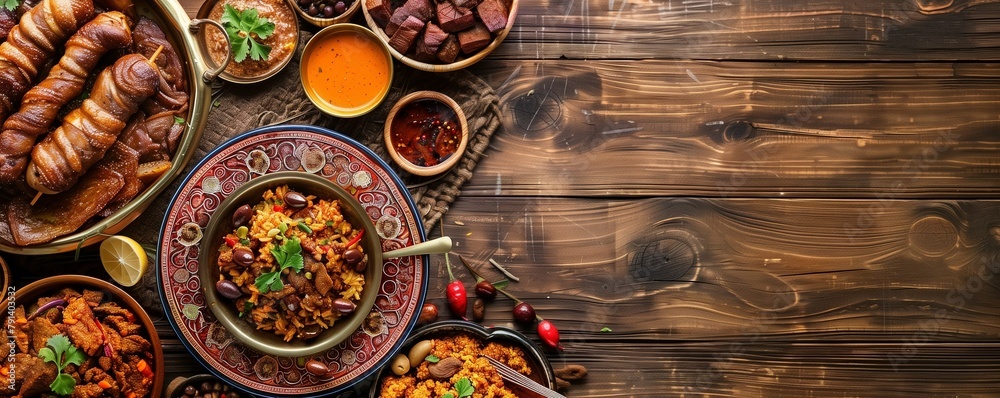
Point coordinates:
[[225, 310]]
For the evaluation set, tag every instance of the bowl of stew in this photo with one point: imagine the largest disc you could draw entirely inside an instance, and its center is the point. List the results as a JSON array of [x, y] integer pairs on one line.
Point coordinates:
[[291, 264], [108, 331], [264, 56], [346, 70], [426, 133]]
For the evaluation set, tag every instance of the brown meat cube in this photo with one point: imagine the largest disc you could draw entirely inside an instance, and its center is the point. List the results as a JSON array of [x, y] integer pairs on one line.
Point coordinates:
[[93, 297], [470, 4], [474, 39], [493, 13], [380, 10], [87, 391], [421, 9], [34, 374], [134, 344], [448, 51], [454, 19], [434, 36], [403, 39], [424, 53]]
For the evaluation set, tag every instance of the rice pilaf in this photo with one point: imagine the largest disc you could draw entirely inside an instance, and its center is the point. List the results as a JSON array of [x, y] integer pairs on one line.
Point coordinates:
[[485, 379], [294, 297]]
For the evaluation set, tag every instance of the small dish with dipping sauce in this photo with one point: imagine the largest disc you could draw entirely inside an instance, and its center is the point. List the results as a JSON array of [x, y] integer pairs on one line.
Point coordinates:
[[426, 133], [282, 41], [346, 70]]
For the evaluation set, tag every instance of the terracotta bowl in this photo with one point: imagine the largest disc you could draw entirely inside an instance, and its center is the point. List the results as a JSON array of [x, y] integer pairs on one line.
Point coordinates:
[[225, 309], [29, 294], [324, 22], [176, 387], [206, 39], [5, 275], [541, 369], [398, 126], [459, 63]]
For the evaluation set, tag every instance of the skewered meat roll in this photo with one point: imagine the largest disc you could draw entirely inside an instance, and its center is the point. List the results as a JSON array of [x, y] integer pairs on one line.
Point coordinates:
[[66, 81], [88, 131], [40, 32]]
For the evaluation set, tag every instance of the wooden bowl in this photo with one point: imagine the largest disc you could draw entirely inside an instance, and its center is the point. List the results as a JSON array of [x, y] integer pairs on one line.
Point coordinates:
[[225, 309], [443, 67], [345, 69], [176, 387], [29, 295], [324, 22], [394, 147], [207, 39], [5, 274]]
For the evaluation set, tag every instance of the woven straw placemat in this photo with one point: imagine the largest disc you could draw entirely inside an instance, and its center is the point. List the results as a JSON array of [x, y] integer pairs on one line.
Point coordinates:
[[281, 100]]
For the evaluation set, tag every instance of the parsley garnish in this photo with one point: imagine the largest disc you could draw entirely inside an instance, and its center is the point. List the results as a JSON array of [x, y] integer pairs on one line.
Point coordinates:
[[247, 306], [10, 4], [178, 120], [288, 255], [244, 28], [464, 387], [62, 353], [432, 359]]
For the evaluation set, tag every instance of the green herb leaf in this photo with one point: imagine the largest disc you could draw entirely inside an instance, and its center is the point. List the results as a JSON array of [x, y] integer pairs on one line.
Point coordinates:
[[267, 280], [178, 120], [294, 259], [247, 306], [60, 351], [432, 359], [501, 284], [464, 387], [605, 329], [11, 4], [244, 28], [447, 395], [288, 255]]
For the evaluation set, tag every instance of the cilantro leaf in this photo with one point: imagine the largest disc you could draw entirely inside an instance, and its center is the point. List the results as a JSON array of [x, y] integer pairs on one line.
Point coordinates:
[[10, 4], [294, 259], [178, 120], [432, 359], [447, 395], [288, 255], [464, 387], [244, 28], [60, 351]]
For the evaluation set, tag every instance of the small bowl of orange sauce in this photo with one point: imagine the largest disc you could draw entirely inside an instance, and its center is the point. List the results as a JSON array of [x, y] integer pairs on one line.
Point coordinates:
[[426, 133], [346, 70]]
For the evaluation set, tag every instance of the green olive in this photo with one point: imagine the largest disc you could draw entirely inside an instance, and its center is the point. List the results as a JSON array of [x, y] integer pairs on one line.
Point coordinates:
[[400, 365], [419, 352]]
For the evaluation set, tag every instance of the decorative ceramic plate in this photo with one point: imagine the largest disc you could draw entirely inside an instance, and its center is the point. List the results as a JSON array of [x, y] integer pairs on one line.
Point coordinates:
[[343, 161]]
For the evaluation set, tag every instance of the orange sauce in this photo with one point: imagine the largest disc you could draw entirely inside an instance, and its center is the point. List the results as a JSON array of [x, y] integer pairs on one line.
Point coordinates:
[[347, 70]]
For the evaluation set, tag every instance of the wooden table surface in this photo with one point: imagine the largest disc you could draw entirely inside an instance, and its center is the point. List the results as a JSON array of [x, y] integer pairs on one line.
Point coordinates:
[[773, 198]]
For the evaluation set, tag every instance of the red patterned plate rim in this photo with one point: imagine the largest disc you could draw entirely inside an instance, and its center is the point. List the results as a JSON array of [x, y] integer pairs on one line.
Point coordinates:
[[343, 161]]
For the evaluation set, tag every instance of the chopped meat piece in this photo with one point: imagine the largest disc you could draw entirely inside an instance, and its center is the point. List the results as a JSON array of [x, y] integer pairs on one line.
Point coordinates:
[[21, 334], [93, 297], [406, 34], [34, 373], [84, 331], [454, 19], [470, 4], [134, 344], [380, 10], [41, 331], [122, 325], [449, 50], [493, 13], [104, 363], [320, 275], [132, 379], [422, 9], [299, 282], [111, 308], [434, 36], [475, 39], [89, 390], [423, 53]]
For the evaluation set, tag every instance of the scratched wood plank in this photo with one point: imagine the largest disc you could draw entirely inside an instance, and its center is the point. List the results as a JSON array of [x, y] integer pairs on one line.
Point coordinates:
[[744, 129], [750, 30], [694, 268]]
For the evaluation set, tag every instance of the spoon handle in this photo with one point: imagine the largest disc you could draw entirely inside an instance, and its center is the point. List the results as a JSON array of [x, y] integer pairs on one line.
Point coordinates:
[[433, 246]]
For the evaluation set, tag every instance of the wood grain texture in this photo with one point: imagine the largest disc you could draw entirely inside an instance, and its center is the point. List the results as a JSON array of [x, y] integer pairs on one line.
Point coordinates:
[[604, 128]]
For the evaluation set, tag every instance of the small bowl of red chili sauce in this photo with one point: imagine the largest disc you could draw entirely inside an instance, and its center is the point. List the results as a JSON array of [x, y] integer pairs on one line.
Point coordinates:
[[426, 133]]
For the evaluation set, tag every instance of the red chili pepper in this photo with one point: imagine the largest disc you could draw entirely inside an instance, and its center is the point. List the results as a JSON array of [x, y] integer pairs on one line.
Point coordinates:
[[549, 334], [231, 241], [457, 299], [357, 238], [277, 209]]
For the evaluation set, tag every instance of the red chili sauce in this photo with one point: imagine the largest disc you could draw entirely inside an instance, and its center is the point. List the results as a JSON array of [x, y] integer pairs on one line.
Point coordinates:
[[425, 132]]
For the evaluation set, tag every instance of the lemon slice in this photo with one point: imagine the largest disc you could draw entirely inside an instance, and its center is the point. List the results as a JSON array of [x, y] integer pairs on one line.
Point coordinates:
[[124, 259]]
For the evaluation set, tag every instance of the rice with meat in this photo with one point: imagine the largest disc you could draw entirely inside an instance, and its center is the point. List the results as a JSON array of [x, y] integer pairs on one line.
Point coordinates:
[[485, 379], [300, 303]]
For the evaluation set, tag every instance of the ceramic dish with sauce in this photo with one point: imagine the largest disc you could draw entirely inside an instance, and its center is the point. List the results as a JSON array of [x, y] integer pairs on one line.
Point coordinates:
[[426, 133], [345, 70]]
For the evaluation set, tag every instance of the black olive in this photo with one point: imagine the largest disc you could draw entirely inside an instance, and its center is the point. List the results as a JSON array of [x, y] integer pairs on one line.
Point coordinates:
[[313, 10], [228, 289], [340, 7], [328, 11], [242, 256], [295, 200], [524, 313], [352, 256], [242, 215], [343, 305]]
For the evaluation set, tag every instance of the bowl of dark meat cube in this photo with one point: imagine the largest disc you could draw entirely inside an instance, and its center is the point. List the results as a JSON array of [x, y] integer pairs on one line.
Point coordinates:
[[440, 36], [80, 336], [324, 13]]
